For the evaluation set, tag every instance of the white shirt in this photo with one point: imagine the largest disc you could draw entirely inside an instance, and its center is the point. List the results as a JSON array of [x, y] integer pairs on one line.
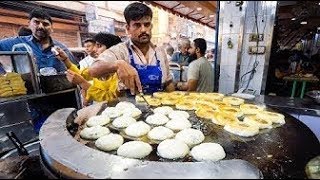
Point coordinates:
[[86, 62], [120, 52]]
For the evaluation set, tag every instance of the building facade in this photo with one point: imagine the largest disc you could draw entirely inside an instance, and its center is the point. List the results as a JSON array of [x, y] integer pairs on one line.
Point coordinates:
[[74, 21]]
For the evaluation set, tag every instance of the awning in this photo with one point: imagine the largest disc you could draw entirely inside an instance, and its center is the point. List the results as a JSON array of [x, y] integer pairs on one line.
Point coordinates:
[[202, 12]]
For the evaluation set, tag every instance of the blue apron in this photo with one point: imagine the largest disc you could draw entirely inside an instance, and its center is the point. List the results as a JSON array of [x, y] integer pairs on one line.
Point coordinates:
[[150, 76]]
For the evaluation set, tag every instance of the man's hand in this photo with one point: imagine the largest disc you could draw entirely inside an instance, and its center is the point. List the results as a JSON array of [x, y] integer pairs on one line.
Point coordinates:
[[192, 85], [181, 86], [170, 87], [62, 56], [77, 79], [129, 76], [85, 102]]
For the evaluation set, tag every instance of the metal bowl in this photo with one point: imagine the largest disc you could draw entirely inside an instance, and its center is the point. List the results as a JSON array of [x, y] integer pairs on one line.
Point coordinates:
[[55, 83]]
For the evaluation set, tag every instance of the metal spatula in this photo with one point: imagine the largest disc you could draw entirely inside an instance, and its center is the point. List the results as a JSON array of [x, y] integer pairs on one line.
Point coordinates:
[[148, 105]]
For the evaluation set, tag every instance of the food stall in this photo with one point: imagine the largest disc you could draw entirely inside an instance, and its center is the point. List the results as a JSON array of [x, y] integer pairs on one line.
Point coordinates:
[[285, 149], [282, 151]]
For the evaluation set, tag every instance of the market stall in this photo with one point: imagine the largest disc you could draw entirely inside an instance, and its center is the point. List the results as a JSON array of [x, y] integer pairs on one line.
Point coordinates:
[[259, 137]]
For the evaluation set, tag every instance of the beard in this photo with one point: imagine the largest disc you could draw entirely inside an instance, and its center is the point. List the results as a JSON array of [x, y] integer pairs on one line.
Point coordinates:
[[192, 57], [41, 34]]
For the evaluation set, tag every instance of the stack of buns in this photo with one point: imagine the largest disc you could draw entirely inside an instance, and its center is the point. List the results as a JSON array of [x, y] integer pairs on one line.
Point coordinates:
[[12, 84]]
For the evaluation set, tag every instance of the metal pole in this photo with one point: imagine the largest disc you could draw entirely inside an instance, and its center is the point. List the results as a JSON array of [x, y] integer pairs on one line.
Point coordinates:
[[216, 68]]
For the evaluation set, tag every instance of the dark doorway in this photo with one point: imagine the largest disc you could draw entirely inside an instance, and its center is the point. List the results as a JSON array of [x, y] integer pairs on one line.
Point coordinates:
[[295, 38]]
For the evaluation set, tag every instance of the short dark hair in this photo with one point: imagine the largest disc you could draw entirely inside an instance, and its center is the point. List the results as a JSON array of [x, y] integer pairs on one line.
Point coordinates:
[[40, 13], [24, 31], [136, 11], [201, 44], [107, 39], [89, 40], [169, 48]]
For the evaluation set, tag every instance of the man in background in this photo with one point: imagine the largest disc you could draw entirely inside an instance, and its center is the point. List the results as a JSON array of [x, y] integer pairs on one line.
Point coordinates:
[[169, 51], [182, 56], [24, 31], [89, 45], [40, 41], [200, 72]]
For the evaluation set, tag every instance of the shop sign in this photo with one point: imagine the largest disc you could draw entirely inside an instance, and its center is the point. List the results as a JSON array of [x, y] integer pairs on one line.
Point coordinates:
[[91, 12], [99, 25]]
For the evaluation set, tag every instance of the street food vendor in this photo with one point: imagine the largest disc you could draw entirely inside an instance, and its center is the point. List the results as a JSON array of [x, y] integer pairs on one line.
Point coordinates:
[[139, 64], [40, 41]]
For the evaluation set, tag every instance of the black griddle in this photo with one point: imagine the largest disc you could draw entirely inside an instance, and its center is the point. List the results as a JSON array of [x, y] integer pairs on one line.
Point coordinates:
[[280, 152]]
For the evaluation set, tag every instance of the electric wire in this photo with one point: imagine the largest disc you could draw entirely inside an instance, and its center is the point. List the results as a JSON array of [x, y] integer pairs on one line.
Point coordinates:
[[256, 63]]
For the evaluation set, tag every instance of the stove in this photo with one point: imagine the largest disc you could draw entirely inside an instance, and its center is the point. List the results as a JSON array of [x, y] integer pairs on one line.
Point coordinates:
[[59, 155], [281, 152], [68, 158]]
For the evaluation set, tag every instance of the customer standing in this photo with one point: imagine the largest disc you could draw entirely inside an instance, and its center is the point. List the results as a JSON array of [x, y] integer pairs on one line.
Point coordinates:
[[200, 72], [40, 41]]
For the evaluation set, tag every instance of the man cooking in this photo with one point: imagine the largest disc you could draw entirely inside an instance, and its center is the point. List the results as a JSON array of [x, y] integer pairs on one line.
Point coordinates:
[[139, 64]]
